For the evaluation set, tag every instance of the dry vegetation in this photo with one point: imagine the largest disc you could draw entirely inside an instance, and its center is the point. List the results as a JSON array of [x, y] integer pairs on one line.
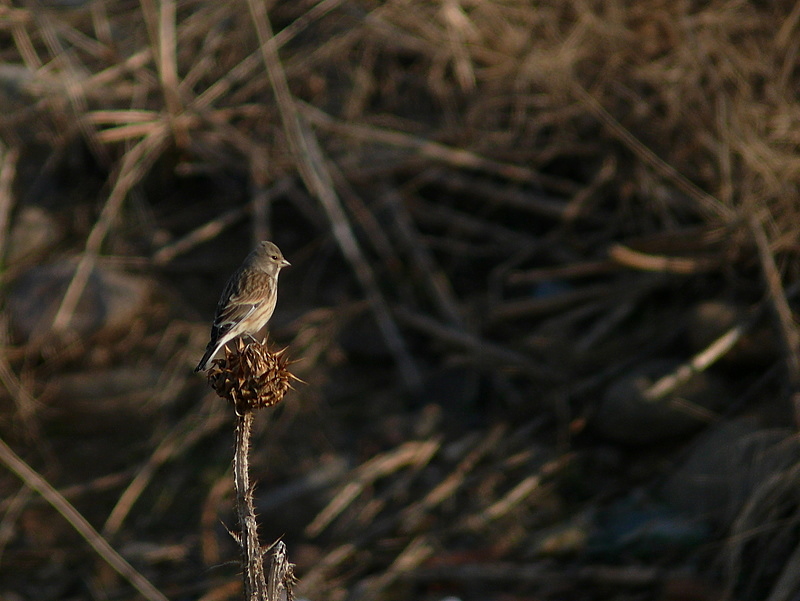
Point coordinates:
[[544, 273]]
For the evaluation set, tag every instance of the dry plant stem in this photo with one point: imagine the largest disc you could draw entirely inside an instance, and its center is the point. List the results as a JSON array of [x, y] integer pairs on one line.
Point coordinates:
[[281, 575], [447, 155], [789, 581], [711, 205], [313, 170], [135, 164], [489, 352], [780, 304], [184, 435], [8, 169], [255, 584], [699, 363], [435, 279], [8, 525], [25, 402], [35, 481]]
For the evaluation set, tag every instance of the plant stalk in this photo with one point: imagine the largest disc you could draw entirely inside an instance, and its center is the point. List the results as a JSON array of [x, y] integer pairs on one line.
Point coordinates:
[[255, 585]]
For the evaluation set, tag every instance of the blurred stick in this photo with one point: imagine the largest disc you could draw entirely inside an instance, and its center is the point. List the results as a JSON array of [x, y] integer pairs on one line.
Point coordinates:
[[134, 165], [414, 515], [416, 553], [469, 225], [213, 228], [569, 271], [711, 205], [183, 436], [71, 73], [413, 453], [14, 508], [35, 481], [489, 353], [8, 169], [700, 362], [462, 182], [780, 304], [160, 22], [717, 349], [24, 401], [311, 166], [635, 259], [529, 308], [244, 69], [540, 574], [455, 157], [788, 582], [433, 276], [460, 33], [518, 493]]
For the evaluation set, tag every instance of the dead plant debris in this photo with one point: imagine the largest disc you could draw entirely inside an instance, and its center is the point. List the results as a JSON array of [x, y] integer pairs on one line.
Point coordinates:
[[521, 231]]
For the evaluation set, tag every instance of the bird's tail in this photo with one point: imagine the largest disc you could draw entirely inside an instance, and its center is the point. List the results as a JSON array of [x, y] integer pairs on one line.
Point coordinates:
[[210, 352]]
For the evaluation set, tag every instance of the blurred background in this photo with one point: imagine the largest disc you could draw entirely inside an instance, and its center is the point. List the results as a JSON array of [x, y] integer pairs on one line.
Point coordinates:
[[544, 274]]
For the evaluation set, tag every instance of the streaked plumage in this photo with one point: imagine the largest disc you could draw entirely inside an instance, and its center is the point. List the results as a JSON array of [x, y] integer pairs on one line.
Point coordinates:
[[248, 300]]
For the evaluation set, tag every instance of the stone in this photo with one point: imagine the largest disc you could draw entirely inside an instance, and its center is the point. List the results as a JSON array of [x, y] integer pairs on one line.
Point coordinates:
[[109, 303], [33, 232], [636, 525], [726, 466]]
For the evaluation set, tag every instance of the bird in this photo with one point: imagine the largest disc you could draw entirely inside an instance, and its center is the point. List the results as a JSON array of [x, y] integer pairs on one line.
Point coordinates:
[[248, 299]]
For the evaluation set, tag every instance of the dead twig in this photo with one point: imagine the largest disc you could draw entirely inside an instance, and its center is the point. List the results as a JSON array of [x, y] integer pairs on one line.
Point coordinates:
[[134, 165], [311, 165], [216, 226], [454, 157], [710, 205], [33, 479], [409, 454], [780, 304], [648, 262], [184, 435], [539, 574], [435, 279], [8, 170], [487, 352], [700, 362]]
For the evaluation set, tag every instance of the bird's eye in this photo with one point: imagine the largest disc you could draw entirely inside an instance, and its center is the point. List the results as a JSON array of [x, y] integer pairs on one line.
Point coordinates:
[[274, 257]]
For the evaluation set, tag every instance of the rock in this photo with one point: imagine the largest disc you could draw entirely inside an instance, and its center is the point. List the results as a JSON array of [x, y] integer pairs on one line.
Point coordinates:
[[726, 467], [109, 303], [626, 415], [17, 85], [33, 232], [642, 527]]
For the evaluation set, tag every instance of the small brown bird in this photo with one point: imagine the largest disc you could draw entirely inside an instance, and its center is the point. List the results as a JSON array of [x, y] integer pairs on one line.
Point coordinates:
[[248, 300]]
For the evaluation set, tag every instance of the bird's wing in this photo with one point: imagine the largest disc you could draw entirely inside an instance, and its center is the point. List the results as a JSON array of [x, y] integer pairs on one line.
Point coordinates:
[[243, 296]]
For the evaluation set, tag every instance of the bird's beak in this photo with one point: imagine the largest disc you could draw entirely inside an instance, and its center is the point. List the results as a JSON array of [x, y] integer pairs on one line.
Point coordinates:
[[285, 263]]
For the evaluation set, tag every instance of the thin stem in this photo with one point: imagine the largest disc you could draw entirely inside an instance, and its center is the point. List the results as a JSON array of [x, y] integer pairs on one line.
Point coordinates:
[[255, 585]]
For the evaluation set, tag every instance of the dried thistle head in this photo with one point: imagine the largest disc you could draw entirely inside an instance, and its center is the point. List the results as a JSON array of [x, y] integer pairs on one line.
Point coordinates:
[[250, 376]]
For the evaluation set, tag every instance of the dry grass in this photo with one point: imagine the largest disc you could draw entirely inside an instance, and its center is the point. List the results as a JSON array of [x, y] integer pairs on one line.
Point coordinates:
[[494, 213]]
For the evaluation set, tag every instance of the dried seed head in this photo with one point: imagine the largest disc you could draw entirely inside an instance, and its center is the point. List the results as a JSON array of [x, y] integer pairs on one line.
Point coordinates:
[[250, 376]]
